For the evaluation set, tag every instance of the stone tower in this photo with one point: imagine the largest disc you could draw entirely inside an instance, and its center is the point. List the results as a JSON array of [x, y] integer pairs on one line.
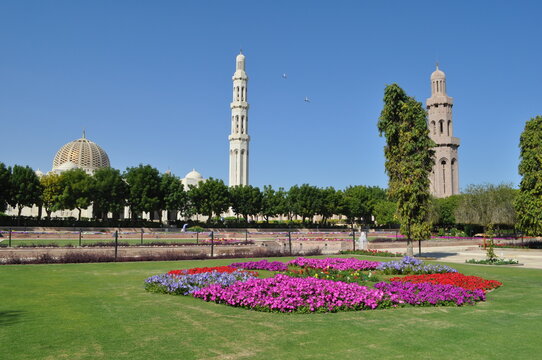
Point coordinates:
[[445, 174], [239, 138]]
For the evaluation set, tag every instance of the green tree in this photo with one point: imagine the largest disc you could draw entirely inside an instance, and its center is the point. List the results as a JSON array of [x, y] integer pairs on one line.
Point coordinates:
[[175, 199], [529, 200], [409, 161], [304, 201], [487, 205], [25, 188], [52, 191], [444, 210], [359, 202], [330, 203], [5, 186], [273, 202], [144, 190], [384, 213], [210, 197], [77, 188], [246, 200], [110, 193]]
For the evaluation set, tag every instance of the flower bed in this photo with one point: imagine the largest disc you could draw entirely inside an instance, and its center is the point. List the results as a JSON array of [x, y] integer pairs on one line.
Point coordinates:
[[335, 263], [456, 279], [261, 265], [349, 276], [286, 294], [187, 284], [410, 265], [426, 294]]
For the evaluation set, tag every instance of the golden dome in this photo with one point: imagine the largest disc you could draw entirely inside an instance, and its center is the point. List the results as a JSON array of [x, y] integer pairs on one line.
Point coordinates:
[[82, 153]]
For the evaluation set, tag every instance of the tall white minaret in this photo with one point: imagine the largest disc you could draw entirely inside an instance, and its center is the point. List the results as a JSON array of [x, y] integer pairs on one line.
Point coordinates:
[[445, 174], [239, 138]]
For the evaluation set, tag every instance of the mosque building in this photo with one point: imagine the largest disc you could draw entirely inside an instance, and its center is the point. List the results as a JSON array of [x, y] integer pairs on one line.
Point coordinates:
[[445, 174]]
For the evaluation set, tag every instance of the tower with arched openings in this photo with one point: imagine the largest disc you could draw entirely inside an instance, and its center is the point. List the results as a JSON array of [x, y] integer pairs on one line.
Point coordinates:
[[239, 138], [445, 174]]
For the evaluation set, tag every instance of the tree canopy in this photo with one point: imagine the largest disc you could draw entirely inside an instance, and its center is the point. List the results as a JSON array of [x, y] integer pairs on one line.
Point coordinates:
[[529, 200], [409, 161]]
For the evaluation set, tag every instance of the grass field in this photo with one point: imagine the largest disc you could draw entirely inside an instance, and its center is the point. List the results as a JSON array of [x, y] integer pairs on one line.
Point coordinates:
[[101, 311]]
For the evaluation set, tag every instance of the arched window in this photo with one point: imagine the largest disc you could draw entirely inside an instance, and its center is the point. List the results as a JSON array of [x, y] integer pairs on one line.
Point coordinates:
[[434, 127], [441, 123], [243, 93], [443, 163], [449, 127], [453, 172], [242, 124], [237, 124]]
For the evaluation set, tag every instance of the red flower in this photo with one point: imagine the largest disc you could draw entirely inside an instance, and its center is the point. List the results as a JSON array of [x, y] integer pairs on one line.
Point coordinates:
[[457, 279]]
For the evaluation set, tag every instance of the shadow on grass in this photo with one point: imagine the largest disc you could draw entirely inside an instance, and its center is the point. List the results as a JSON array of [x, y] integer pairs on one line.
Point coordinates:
[[10, 317]]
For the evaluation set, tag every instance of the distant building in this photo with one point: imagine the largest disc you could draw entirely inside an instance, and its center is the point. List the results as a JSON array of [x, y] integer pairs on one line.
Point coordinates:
[[445, 174]]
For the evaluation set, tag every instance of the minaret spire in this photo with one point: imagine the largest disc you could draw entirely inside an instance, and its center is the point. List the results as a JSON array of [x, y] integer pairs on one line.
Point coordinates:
[[445, 174], [239, 138]]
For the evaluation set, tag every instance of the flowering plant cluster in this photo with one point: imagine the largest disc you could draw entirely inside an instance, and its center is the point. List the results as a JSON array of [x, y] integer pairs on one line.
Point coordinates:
[[187, 284], [335, 263], [286, 294], [456, 279], [261, 265], [226, 241], [427, 294], [410, 265], [320, 239], [348, 276]]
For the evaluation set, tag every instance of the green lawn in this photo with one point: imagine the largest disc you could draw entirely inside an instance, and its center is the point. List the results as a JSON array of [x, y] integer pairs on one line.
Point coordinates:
[[101, 311]]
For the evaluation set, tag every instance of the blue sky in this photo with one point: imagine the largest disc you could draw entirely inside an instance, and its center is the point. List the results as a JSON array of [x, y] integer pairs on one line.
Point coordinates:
[[150, 81]]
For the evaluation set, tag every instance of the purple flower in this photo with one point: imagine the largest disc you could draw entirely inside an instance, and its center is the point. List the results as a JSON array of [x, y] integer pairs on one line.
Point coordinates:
[[261, 265], [335, 263]]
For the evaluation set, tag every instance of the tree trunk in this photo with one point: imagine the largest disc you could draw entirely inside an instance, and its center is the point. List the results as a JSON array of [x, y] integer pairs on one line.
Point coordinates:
[[410, 247], [79, 217]]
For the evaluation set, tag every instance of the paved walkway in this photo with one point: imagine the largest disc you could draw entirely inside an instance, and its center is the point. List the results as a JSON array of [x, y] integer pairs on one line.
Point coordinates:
[[458, 254]]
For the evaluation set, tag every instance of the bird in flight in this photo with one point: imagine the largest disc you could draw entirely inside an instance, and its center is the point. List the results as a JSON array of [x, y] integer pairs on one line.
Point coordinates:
[[284, 76], [307, 99]]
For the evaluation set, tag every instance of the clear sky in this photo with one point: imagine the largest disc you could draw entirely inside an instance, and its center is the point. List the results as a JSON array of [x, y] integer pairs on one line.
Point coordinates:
[[150, 81]]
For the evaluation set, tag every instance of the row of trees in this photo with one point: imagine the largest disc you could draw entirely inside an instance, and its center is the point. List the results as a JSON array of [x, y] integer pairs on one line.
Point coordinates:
[[144, 189]]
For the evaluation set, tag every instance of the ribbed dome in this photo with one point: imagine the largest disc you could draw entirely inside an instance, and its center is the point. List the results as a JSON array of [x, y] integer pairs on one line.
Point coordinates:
[[438, 74], [194, 175], [83, 153]]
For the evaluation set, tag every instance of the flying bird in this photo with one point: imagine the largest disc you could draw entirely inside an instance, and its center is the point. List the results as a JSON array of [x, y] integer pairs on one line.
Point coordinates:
[[307, 99], [284, 76]]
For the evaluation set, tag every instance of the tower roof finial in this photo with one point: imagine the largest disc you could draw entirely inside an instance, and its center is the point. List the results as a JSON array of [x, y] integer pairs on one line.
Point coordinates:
[[437, 64], [84, 134]]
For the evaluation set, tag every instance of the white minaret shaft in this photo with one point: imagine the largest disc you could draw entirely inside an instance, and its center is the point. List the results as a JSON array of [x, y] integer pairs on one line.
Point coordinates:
[[239, 138], [445, 174]]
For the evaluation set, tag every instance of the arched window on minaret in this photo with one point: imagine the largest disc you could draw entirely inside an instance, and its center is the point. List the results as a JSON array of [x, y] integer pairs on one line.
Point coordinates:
[[434, 127], [449, 126], [246, 127], [441, 124], [443, 163], [452, 173], [242, 93], [242, 124], [237, 124]]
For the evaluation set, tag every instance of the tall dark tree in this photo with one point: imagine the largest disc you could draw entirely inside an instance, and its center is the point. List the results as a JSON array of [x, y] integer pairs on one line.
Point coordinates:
[[77, 188], [110, 193], [5, 186], [529, 200], [210, 197], [246, 200], [25, 188], [144, 190], [409, 161]]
